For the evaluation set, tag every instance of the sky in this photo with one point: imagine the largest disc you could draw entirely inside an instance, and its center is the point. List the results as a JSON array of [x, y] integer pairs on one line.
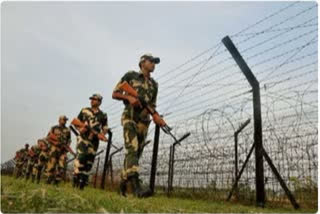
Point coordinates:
[[56, 54]]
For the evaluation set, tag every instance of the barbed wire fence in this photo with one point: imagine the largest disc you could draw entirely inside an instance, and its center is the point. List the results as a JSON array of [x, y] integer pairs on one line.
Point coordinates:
[[209, 97]]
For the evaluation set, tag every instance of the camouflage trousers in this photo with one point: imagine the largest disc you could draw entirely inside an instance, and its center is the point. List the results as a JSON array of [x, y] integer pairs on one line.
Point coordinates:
[[29, 167], [56, 163], [19, 168], [86, 151], [40, 164], [134, 134]]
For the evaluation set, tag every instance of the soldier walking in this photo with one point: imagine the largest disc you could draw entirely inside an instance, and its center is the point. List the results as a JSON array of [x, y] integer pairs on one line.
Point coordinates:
[[21, 160], [32, 157], [136, 119], [42, 159], [58, 137], [92, 124]]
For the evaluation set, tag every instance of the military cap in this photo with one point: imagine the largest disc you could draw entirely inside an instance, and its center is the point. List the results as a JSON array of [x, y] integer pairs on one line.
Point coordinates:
[[149, 56], [63, 117], [96, 96]]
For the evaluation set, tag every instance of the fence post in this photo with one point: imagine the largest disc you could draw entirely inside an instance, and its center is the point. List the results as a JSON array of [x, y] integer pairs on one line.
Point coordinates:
[[105, 167], [260, 191], [259, 150], [236, 134], [154, 158], [170, 171]]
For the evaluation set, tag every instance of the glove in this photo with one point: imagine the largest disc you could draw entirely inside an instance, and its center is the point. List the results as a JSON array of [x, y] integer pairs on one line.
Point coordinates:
[[158, 120]]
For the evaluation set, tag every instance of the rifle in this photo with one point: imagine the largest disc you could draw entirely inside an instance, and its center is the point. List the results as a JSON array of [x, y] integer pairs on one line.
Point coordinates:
[[52, 138], [125, 86], [80, 125]]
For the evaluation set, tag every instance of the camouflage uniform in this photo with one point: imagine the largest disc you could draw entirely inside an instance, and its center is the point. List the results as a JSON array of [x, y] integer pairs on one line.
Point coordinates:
[[56, 162], [86, 147], [42, 161], [18, 164], [136, 120], [21, 162], [32, 159]]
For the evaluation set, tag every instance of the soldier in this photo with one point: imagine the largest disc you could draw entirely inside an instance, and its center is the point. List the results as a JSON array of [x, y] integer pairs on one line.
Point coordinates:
[[32, 157], [17, 159], [59, 136], [21, 161], [95, 124], [42, 159], [136, 119]]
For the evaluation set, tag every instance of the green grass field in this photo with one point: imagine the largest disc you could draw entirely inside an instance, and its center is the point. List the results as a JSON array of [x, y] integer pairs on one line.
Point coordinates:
[[17, 195]]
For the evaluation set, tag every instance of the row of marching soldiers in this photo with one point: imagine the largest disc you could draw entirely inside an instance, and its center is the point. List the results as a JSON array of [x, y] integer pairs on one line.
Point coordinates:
[[138, 91], [49, 155]]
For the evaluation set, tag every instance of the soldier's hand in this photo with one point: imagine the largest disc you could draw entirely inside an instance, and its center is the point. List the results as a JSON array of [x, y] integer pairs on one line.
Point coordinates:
[[83, 130], [134, 101], [158, 120]]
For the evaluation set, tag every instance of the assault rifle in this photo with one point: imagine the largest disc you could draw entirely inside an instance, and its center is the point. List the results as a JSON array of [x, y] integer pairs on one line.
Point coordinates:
[[81, 125], [53, 139], [125, 86]]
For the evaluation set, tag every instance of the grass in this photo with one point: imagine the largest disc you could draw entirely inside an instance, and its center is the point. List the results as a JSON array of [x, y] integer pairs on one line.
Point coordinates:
[[17, 195]]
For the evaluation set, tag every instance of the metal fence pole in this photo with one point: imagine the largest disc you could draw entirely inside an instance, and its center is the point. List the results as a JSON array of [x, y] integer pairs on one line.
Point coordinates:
[[105, 167], [154, 158], [236, 134], [259, 150], [260, 191]]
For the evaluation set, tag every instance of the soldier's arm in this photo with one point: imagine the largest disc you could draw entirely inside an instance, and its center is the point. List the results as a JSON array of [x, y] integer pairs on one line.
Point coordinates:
[[69, 138], [105, 125], [118, 94], [81, 115], [154, 98]]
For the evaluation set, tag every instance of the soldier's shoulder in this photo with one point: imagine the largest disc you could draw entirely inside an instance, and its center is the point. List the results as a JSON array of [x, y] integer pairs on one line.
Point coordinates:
[[85, 109], [103, 114], [154, 82], [55, 126], [66, 129], [131, 74]]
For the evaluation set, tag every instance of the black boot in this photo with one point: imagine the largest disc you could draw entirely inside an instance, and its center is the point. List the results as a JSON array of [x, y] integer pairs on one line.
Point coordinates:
[[50, 179], [27, 176], [137, 190], [33, 178], [75, 181], [123, 187], [56, 182], [38, 178], [82, 181]]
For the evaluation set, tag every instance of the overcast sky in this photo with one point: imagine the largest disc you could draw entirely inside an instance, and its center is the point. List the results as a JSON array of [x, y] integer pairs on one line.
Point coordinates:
[[56, 54]]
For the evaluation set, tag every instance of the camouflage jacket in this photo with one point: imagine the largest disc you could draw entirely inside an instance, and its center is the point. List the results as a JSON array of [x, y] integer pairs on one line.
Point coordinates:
[[146, 88], [97, 121], [23, 154], [63, 134], [36, 150]]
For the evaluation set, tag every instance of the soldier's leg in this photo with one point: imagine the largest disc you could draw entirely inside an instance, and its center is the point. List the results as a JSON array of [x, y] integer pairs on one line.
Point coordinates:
[[51, 165], [142, 131], [81, 163], [28, 169], [34, 170], [131, 160], [60, 167]]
